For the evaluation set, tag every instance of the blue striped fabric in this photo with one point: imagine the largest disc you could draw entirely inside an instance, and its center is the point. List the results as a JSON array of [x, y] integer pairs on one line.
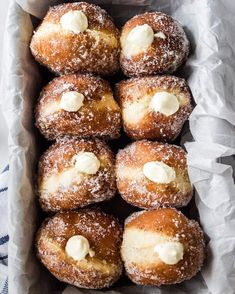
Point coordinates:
[[4, 238]]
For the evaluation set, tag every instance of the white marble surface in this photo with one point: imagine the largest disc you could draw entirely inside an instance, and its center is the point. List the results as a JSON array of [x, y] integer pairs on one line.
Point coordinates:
[[3, 128]]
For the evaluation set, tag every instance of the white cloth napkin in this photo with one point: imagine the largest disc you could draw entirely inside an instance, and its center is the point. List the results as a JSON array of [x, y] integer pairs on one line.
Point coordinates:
[[3, 232]]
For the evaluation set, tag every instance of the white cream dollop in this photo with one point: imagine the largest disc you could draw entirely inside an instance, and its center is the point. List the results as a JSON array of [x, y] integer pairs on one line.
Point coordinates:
[[138, 40], [170, 252], [74, 21], [71, 101], [160, 35], [78, 247], [87, 162], [159, 172], [165, 103]]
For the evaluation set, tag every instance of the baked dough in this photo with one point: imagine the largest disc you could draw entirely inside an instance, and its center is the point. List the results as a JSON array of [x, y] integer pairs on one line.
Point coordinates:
[[152, 174], [162, 247], [77, 37], [154, 107], [100, 267], [152, 43], [75, 173], [78, 105]]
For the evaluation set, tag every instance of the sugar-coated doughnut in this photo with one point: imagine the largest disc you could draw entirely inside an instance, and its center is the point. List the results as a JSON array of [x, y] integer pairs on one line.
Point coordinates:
[[77, 37], [154, 107], [151, 174], [162, 247], [75, 173], [78, 105], [81, 248], [152, 43]]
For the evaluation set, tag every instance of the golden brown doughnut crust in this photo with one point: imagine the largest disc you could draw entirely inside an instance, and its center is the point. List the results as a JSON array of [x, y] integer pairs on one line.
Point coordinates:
[[173, 223], [164, 55], [138, 190], [65, 52], [154, 125], [99, 116], [91, 189], [104, 235]]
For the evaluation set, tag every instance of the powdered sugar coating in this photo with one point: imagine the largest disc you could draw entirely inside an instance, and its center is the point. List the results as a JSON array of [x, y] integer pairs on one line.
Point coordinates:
[[82, 189], [96, 50], [138, 190], [165, 55], [104, 236], [151, 124], [169, 223], [99, 116]]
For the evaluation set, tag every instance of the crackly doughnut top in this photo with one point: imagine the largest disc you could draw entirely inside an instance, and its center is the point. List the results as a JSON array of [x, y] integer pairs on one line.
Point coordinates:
[[149, 84], [59, 155], [139, 152], [168, 221], [90, 86], [98, 19], [168, 50]]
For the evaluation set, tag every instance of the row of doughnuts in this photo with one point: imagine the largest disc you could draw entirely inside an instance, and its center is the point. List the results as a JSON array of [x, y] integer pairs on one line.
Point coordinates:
[[74, 173], [86, 248], [154, 107], [81, 37]]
